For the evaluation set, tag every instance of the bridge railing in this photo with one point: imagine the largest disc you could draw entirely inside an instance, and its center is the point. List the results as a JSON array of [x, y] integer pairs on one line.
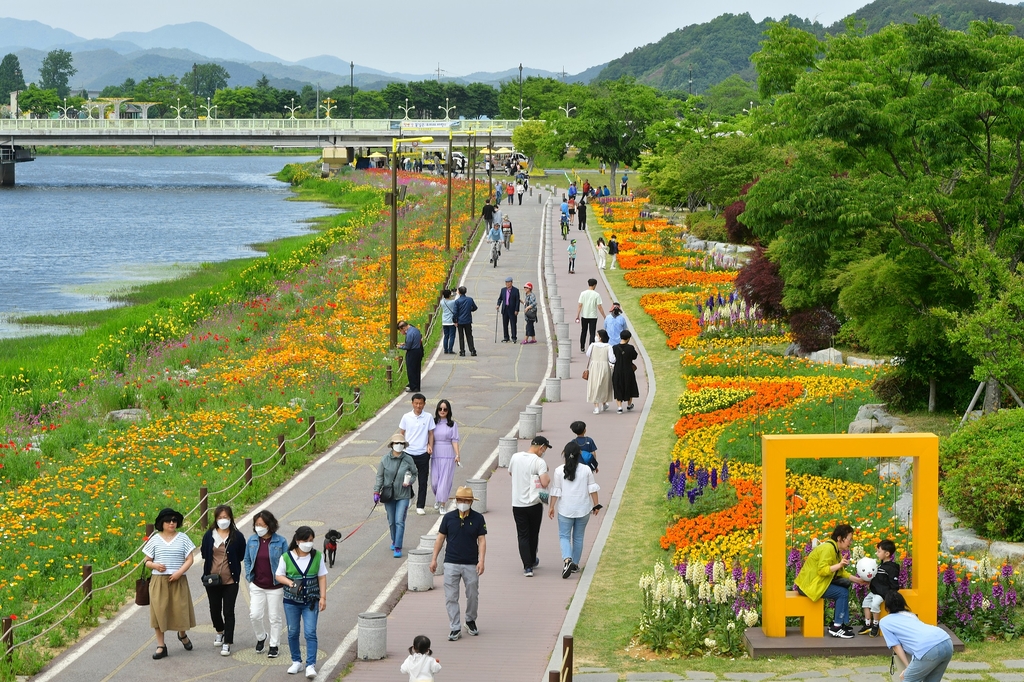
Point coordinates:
[[248, 125]]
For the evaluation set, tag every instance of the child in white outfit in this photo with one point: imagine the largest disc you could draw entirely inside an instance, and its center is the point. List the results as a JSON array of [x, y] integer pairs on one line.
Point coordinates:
[[421, 665]]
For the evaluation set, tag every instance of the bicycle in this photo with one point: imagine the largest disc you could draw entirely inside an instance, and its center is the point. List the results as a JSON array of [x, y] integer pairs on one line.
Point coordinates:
[[495, 252], [565, 227]]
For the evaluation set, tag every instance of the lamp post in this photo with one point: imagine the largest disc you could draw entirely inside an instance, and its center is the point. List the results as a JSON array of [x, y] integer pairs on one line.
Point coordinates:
[[448, 219], [64, 109], [520, 91], [292, 108], [195, 88], [327, 106], [177, 110], [351, 94], [446, 109], [490, 164], [209, 109], [406, 108], [395, 144], [472, 164], [691, 79], [567, 109]]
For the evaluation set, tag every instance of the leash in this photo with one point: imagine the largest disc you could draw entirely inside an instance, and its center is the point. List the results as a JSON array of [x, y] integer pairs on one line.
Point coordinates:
[[361, 524]]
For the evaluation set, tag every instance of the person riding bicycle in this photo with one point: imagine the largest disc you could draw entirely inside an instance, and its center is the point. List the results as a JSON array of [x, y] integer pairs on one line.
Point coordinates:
[[506, 232], [565, 218], [494, 238]]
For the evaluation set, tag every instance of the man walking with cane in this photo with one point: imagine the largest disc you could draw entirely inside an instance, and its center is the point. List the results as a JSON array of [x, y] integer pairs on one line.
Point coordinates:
[[508, 304]]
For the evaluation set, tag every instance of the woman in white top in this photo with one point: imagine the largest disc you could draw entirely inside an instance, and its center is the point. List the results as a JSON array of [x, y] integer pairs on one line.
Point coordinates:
[[303, 572], [599, 373], [602, 252], [169, 554], [574, 499]]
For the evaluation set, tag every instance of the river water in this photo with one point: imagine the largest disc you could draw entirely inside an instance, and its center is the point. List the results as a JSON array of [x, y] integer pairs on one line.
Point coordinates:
[[75, 229]]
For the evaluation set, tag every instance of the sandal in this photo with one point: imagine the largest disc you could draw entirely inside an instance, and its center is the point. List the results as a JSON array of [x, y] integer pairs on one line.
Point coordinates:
[[185, 642], [161, 652]]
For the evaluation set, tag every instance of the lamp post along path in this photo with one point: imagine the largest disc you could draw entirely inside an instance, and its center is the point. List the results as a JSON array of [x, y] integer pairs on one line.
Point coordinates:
[[395, 145], [448, 220]]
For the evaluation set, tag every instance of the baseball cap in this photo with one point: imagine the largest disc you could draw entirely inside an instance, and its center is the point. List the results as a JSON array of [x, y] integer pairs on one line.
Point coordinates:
[[540, 440]]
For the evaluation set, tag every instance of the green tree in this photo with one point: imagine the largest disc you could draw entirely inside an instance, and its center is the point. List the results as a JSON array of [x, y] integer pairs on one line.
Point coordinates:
[[481, 100], [543, 95], [731, 97], [38, 101], [394, 95], [210, 78], [11, 78], [528, 137], [56, 70], [611, 124], [163, 89], [241, 102]]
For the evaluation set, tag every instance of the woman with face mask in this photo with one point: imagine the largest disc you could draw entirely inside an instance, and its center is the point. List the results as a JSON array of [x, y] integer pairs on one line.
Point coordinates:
[[263, 551], [395, 476], [223, 550], [303, 572]]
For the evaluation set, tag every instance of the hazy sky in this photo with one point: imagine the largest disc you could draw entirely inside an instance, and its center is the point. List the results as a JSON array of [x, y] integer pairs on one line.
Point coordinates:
[[412, 37]]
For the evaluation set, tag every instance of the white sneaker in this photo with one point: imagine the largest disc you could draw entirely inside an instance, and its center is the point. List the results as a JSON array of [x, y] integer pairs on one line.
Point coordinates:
[[440, 510], [310, 672], [597, 410], [225, 650], [420, 511], [606, 407], [219, 639], [295, 667]]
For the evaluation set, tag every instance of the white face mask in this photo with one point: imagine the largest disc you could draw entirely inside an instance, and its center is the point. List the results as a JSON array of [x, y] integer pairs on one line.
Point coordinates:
[[463, 506], [398, 447], [261, 530], [223, 524], [306, 546]]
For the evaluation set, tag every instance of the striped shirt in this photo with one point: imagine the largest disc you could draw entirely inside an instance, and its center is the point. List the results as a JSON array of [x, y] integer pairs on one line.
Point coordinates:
[[171, 554]]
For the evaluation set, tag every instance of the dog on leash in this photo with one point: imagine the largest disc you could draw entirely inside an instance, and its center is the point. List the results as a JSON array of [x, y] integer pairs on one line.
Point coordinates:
[[331, 546]]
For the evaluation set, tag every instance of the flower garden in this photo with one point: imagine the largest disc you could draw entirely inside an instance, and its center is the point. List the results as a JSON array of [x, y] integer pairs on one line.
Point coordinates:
[[220, 376], [739, 385]]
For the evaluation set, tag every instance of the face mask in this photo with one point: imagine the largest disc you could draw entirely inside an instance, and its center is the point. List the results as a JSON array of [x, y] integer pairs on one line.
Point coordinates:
[[463, 506], [306, 546], [261, 530], [398, 447], [223, 524]]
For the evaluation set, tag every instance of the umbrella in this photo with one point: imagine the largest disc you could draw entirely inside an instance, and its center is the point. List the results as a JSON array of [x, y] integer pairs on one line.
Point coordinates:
[[485, 150], [504, 150], [378, 155]]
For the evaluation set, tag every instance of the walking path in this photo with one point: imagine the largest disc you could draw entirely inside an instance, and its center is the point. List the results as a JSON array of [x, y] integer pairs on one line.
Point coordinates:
[[487, 393], [520, 619]]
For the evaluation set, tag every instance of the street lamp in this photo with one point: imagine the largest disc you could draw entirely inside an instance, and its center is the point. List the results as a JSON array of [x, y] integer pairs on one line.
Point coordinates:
[[395, 143], [520, 91], [292, 108], [406, 108], [446, 109], [567, 109], [208, 108], [195, 88], [64, 109], [177, 109], [327, 106], [351, 94], [521, 110]]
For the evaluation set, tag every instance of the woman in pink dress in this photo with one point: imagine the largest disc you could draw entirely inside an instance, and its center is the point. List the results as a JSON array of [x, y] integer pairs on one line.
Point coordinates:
[[446, 454]]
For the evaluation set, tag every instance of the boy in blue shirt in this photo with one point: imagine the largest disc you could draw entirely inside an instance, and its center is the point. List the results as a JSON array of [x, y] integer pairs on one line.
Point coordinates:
[[587, 445], [572, 257]]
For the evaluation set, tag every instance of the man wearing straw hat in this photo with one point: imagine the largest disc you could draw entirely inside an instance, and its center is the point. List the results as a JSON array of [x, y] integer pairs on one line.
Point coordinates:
[[466, 533]]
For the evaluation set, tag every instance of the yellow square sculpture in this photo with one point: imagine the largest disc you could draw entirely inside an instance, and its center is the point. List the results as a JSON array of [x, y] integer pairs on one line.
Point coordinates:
[[776, 602]]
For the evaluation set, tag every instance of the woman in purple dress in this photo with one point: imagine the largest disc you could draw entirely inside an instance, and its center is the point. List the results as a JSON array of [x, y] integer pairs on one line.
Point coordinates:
[[446, 454]]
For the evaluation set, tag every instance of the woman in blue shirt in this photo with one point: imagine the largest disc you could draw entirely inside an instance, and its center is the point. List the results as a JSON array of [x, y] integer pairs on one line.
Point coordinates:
[[929, 648]]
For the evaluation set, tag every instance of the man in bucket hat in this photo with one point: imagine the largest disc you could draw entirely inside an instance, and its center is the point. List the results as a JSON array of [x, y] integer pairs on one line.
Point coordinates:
[[466, 533]]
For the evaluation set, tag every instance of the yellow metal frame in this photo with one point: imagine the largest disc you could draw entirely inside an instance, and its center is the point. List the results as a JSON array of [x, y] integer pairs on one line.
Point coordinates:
[[776, 604]]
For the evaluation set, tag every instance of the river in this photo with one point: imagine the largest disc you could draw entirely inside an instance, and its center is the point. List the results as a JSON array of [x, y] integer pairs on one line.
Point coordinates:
[[75, 229]]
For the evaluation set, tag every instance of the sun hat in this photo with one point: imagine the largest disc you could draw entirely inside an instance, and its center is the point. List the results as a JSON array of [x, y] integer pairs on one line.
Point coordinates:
[[397, 438], [464, 493], [168, 514]]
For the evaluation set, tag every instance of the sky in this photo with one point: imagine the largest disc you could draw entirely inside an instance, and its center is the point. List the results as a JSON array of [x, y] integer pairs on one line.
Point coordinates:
[[413, 36]]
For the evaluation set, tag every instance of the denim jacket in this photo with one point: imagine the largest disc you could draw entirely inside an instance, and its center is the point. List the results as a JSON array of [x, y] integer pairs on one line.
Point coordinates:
[[278, 546]]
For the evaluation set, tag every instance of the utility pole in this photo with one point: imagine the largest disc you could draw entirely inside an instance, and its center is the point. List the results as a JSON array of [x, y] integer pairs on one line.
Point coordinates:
[[318, 100], [195, 90], [691, 79], [472, 186], [351, 94], [521, 90], [448, 221]]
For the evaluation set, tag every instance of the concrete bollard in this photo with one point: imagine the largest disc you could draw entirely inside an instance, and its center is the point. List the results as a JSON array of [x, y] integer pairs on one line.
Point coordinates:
[[553, 390], [562, 367], [506, 448], [427, 543], [552, 289], [420, 577], [565, 349], [555, 300], [558, 315], [527, 426], [538, 416], [562, 331], [372, 641], [479, 488]]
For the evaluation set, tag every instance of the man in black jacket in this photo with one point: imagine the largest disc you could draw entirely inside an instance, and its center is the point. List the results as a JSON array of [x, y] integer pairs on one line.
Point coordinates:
[[508, 304], [488, 213], [885, 581], [465, 306]]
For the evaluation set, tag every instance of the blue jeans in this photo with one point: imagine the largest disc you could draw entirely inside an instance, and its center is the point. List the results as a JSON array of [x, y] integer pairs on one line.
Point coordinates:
[[842, 597], [397, 509], [932, 665], [294, 613], [570, 536], [448, 344]]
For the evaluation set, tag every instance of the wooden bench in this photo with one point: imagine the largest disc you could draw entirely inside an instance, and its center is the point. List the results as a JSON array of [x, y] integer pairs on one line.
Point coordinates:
[[810, 613]]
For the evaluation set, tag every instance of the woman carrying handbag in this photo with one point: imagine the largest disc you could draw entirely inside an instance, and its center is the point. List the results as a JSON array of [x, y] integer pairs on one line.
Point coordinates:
[[168, 554], [393, 486], [598, 374], [223, 550]]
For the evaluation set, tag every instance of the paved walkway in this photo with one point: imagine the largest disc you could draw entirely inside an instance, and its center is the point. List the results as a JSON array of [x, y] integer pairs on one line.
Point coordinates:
[[520, 618], [334, 491]]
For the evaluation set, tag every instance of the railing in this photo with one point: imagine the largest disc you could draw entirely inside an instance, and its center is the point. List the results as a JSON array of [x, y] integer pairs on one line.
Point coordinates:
[[248, 125], [564, 674], [277, 458]]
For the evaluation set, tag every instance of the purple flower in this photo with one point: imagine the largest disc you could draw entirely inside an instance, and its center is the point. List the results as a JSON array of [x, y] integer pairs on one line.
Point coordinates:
[[1011, 597], [793, 558], [737, 573], [709, 569], [714, 478], [976, 600], [681, 568], [725, 471], [691, 469], [692, 495], [997, 592], [948, 576], [1007, 571]]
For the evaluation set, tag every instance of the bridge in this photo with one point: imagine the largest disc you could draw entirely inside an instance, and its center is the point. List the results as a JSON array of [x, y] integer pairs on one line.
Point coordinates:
[[16, 135]]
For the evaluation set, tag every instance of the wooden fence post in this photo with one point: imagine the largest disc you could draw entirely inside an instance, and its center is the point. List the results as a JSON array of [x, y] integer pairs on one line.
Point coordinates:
[[387, 375], [340, 409], [8, 639], [311, 431], [357, 395], [87, 581], [248, 471], [204, 508], [553, 676], [567, 654], [280, 448]]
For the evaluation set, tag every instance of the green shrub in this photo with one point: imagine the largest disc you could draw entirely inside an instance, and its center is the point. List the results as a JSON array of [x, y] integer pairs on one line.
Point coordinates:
[[982, 468], [708, 226]]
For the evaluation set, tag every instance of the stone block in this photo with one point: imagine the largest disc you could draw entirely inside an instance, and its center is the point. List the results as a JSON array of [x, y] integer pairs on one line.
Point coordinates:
[[862, 426], [655, 677], [962, 676], [901, 428], [1013, 552], [862, 362], [962, 541], [867, 411], [874, 669], [130, 415], [597, 677], [968, 665], [749, 677], [700, 675], [594, 670], [803, 675], [1014, 663], [840, 672], [826, 355], [862, 677], [1008, 677]]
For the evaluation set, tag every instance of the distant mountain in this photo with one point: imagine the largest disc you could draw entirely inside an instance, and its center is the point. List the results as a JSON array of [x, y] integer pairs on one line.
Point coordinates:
[[332, 64], [722, 47], [16, 33], [200, 38]]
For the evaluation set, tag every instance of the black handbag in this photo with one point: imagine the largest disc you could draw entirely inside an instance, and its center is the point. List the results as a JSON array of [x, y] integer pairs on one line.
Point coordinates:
[[387, 492], [212, 580]]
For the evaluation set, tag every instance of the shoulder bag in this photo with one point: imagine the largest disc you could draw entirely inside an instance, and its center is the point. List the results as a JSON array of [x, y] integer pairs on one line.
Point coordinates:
[[142, 588], [586, 374], [387, 492]]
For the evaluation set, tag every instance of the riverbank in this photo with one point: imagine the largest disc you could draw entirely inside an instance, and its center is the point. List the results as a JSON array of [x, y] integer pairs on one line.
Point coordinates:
[[132, 150]]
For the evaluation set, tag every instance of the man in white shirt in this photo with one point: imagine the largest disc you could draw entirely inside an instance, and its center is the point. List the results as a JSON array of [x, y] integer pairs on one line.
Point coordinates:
[[590, 304], [526, 469], [418, 429]]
